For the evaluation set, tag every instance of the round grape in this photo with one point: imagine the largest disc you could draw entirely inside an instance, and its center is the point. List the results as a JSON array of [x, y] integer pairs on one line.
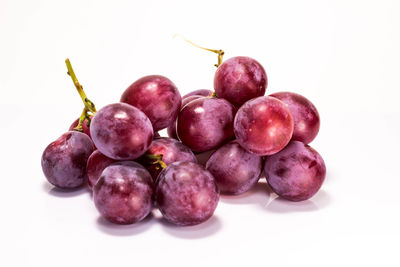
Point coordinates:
[[121, 131], [123, 194], [295, 173], [263, 125], [206, 123], [235, 170], [240, 79], [157, 97], [64, 160], [96, 163], [186, 193]]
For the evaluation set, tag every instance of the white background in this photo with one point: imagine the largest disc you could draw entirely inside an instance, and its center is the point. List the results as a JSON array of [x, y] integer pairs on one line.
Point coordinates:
[[343, 55]]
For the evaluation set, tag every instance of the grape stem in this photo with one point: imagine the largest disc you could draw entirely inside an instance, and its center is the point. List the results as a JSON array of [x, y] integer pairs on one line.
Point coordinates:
[[219, 52], [156, 159], [90, 107]]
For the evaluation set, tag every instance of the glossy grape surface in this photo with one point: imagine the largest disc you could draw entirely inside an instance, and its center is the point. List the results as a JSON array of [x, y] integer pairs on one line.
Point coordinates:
[[305, 116], [157, 97], [240, 79], [121, 131], [206, 123], [295, 173], [235, 170], [123, 194], [172, 151], [263, 125], [64, 160], [186, 193], [96, 163], [171, 130], [200, 92]]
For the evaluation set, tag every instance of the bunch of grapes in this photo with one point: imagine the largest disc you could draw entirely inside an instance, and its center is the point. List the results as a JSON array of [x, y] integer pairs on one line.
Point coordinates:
[[119, 154]]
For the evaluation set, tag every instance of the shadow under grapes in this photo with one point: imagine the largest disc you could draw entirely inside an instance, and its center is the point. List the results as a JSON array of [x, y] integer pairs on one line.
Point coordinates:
[[64, 193], [258, 194], [124, 230], [210, 227]]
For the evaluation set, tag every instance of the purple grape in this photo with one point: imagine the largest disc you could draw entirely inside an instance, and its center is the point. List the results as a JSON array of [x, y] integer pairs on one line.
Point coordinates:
[[240, 79], [200, 92], [235, 170], [156, 135], [123, 194], [121, 131], [186, 193], [96, 163], [263, 125], [64, 160], [305, 116], [171, 150], [295, 173], [157, 97], [206, 123], [171, 130]]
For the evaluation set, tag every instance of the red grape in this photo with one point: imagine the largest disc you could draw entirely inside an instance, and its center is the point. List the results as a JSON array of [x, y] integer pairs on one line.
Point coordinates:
[[96, 163], [201, 92], [64, 160], [121, 131], [295, 173], [305, 116], [186, 193], [171, 130], [123, 194], [240, 79], [172, 151], [235, 170], [263, 125], [205, 123], [157, 97]]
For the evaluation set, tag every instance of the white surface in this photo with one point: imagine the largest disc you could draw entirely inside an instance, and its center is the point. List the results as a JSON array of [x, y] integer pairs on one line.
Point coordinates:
[[343, 55]]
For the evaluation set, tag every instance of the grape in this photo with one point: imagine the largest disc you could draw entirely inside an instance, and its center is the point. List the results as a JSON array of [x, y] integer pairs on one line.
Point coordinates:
[[123, 194], [157, 97], [121, 131], [186, 193], [171, 130], [96, 163], [305, 116], [200, 92], [156, 135], [295, 173], [85, 128], [235, 170], [172, 151], [240, 79], [64, 160], [263, 125], [205, 123]]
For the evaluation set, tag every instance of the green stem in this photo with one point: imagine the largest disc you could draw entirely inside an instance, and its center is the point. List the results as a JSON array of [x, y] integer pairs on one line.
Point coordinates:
[[156, 159], [89, 106]]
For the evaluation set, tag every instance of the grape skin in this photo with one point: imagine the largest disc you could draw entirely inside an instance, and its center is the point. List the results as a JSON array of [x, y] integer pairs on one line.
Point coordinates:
[[205, 123], [85, 128], [171, 130], [186, 193], [305, 116], [96, 163], [235, 170], [121, 131], [240, 79], [296, 173], [200, 92], [123, 194], [263, 125], [157, 97], [64, 160], [171, 150]]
